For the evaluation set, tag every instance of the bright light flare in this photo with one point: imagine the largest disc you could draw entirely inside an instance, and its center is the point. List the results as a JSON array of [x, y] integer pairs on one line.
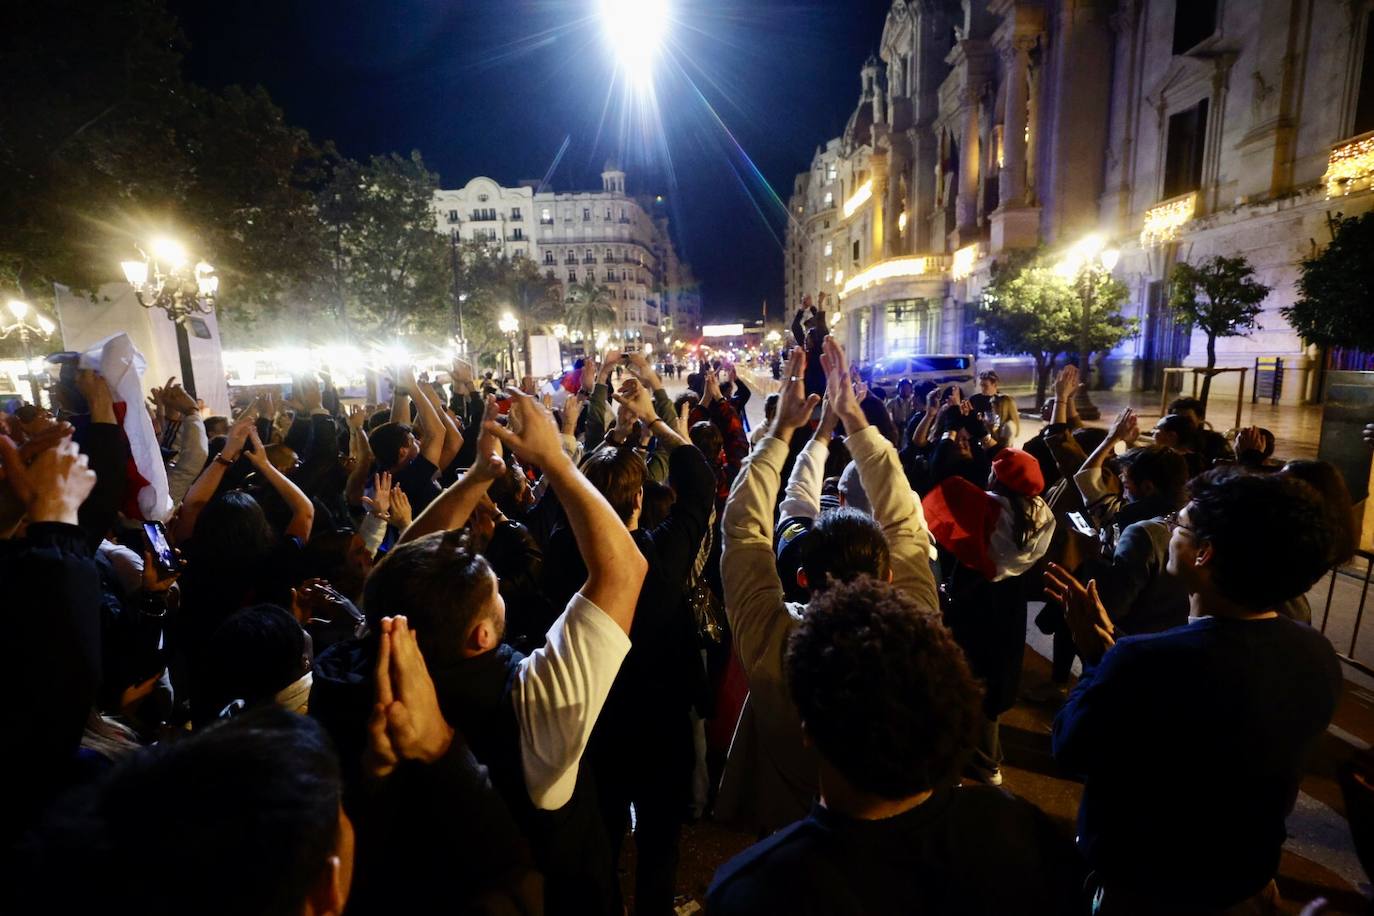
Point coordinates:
[[634, 31], [18, 308], [170, 252]]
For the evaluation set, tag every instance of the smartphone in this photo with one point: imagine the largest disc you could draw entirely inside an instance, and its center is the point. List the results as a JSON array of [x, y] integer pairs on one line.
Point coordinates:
[[1082, 525], [166, 559]]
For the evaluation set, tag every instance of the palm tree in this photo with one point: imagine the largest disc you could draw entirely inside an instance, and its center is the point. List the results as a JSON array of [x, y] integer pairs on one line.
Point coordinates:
[[589, 303], [535, 301]]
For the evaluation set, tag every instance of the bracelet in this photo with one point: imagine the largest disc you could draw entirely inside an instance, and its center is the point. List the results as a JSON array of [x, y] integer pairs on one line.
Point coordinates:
[[384, 517], [228, 462]]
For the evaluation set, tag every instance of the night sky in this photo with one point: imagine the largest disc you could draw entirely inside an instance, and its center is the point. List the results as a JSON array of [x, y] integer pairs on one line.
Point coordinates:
[[496, 88]]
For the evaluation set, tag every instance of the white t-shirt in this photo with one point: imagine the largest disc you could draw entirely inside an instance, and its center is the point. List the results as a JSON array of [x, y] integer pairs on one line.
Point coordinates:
[[559, 691]]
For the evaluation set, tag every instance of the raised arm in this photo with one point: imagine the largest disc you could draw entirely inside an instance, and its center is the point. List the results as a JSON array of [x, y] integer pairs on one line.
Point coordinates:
[[302, 509], [452, 437], [615, 567], [802, 495], [207, 484], [754, 598], [895, 507], [432, 444], [451, 509]]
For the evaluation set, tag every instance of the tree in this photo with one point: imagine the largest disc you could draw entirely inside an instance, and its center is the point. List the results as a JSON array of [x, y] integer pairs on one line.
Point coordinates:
[[1220, 297], [590, 304], [534, 299], [1030, 308], [387, 269], [1336, 289]]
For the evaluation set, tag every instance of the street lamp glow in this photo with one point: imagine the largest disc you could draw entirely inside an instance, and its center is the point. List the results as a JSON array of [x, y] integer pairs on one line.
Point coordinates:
[[18, 308], [170, 252], [136, 272], [1110, 257], [560, 331], [47, 326], [634, 30], [508, 324]]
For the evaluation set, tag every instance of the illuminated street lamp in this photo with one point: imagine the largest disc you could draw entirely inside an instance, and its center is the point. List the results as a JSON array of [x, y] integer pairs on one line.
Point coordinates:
[[40, 327], [167, 280], [509, 326], [634, 31], [1089, 265], [560, 333]]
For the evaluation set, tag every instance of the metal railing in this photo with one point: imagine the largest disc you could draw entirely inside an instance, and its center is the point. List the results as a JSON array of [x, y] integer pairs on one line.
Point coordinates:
[[1349, 656]]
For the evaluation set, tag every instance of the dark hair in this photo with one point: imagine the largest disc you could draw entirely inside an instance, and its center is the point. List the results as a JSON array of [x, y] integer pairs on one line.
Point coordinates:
[[843, 545], [658, 503], [251, 655], [380, 418], [770, 405], [690, 399], [1160, 465], [988, 376], [1189, 405], [1023, 513], [1181, 426], [387, 441], [696, 383], [216, 423], [239, 818], [707, 439], [875, 412], [618, 472], [1270, 533], [439, 584], [1326, 479], [882, 688]]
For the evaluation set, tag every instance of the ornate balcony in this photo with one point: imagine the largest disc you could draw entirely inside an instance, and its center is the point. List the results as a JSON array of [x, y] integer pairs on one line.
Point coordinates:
[[1350, 166], [905, 267], [1164, 220]]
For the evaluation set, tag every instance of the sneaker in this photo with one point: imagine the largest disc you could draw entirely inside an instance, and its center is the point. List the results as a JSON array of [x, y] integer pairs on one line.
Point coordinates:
[[986, 777]]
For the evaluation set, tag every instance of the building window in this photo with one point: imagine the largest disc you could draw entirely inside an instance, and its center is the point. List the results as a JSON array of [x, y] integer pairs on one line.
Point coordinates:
[[1183, 156], [624, 215], [608, 214], [1364, 101], [546, 216], [829, 249], [830, 172], [549, 274], [1194, 21], [456, 236], [586, 214], [453, 216], [517, 235], [548, 257], [483, 197], [907, 321], [829, 198], [518, 253], [515, 213], [572, 274], [856, 251], [829, 274]]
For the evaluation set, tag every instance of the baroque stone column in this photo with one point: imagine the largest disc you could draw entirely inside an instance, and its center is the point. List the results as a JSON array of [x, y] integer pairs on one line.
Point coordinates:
[[966, 204], [1012, 180]]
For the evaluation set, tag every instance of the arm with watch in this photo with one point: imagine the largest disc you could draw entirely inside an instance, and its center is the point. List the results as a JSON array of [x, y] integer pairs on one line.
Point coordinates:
[[207, 484]]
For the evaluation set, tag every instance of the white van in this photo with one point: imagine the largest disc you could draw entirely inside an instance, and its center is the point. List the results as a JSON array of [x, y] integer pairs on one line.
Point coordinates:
[[922, 370]]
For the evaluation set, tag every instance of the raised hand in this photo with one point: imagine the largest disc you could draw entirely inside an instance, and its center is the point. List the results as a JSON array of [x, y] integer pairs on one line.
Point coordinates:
[[40, 442], [100, 400], [58, 482], [794, 405], [238, 436], [489, 462], [379, 504], [406, 722], [590, 373], [572, 410], [258, 456], [179, 399], [357, 416], [1092, 628], [1125, 428], [711, 389], [608, 364], [316, 601], [532, 435], [1066, 383], [636, 398], [838, 387], [307, 391], [401, 514]]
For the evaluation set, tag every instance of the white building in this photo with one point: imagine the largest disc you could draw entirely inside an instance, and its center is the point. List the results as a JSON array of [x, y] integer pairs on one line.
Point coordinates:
[[621, 241], [1176, 129]]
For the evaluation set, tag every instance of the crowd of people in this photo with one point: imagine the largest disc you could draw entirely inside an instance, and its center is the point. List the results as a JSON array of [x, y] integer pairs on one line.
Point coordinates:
[[451, 651]]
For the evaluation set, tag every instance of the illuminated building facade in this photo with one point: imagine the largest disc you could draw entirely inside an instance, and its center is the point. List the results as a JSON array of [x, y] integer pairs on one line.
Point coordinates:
[[1177, 129], [621, 240]]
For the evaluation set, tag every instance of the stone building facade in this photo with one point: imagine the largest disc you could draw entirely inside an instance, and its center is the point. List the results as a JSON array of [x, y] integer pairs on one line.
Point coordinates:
[[621, 240], [1173, 129]]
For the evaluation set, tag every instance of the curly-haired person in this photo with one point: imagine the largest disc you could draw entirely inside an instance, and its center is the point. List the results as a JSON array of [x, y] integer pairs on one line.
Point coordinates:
[[887, 699]]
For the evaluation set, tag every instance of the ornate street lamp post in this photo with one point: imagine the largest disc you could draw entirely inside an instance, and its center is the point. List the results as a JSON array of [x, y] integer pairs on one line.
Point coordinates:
[[41, 327], [509, 326], [166, 280], [1088, 264]]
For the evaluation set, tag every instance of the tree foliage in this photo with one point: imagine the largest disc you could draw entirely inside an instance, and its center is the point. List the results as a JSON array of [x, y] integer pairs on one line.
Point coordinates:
[[590, 306], [1221, 298], [1336, 289], [1029, 308]]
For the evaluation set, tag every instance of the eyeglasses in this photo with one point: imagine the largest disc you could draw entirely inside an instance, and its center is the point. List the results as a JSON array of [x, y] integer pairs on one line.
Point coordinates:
[[1172, 521]]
